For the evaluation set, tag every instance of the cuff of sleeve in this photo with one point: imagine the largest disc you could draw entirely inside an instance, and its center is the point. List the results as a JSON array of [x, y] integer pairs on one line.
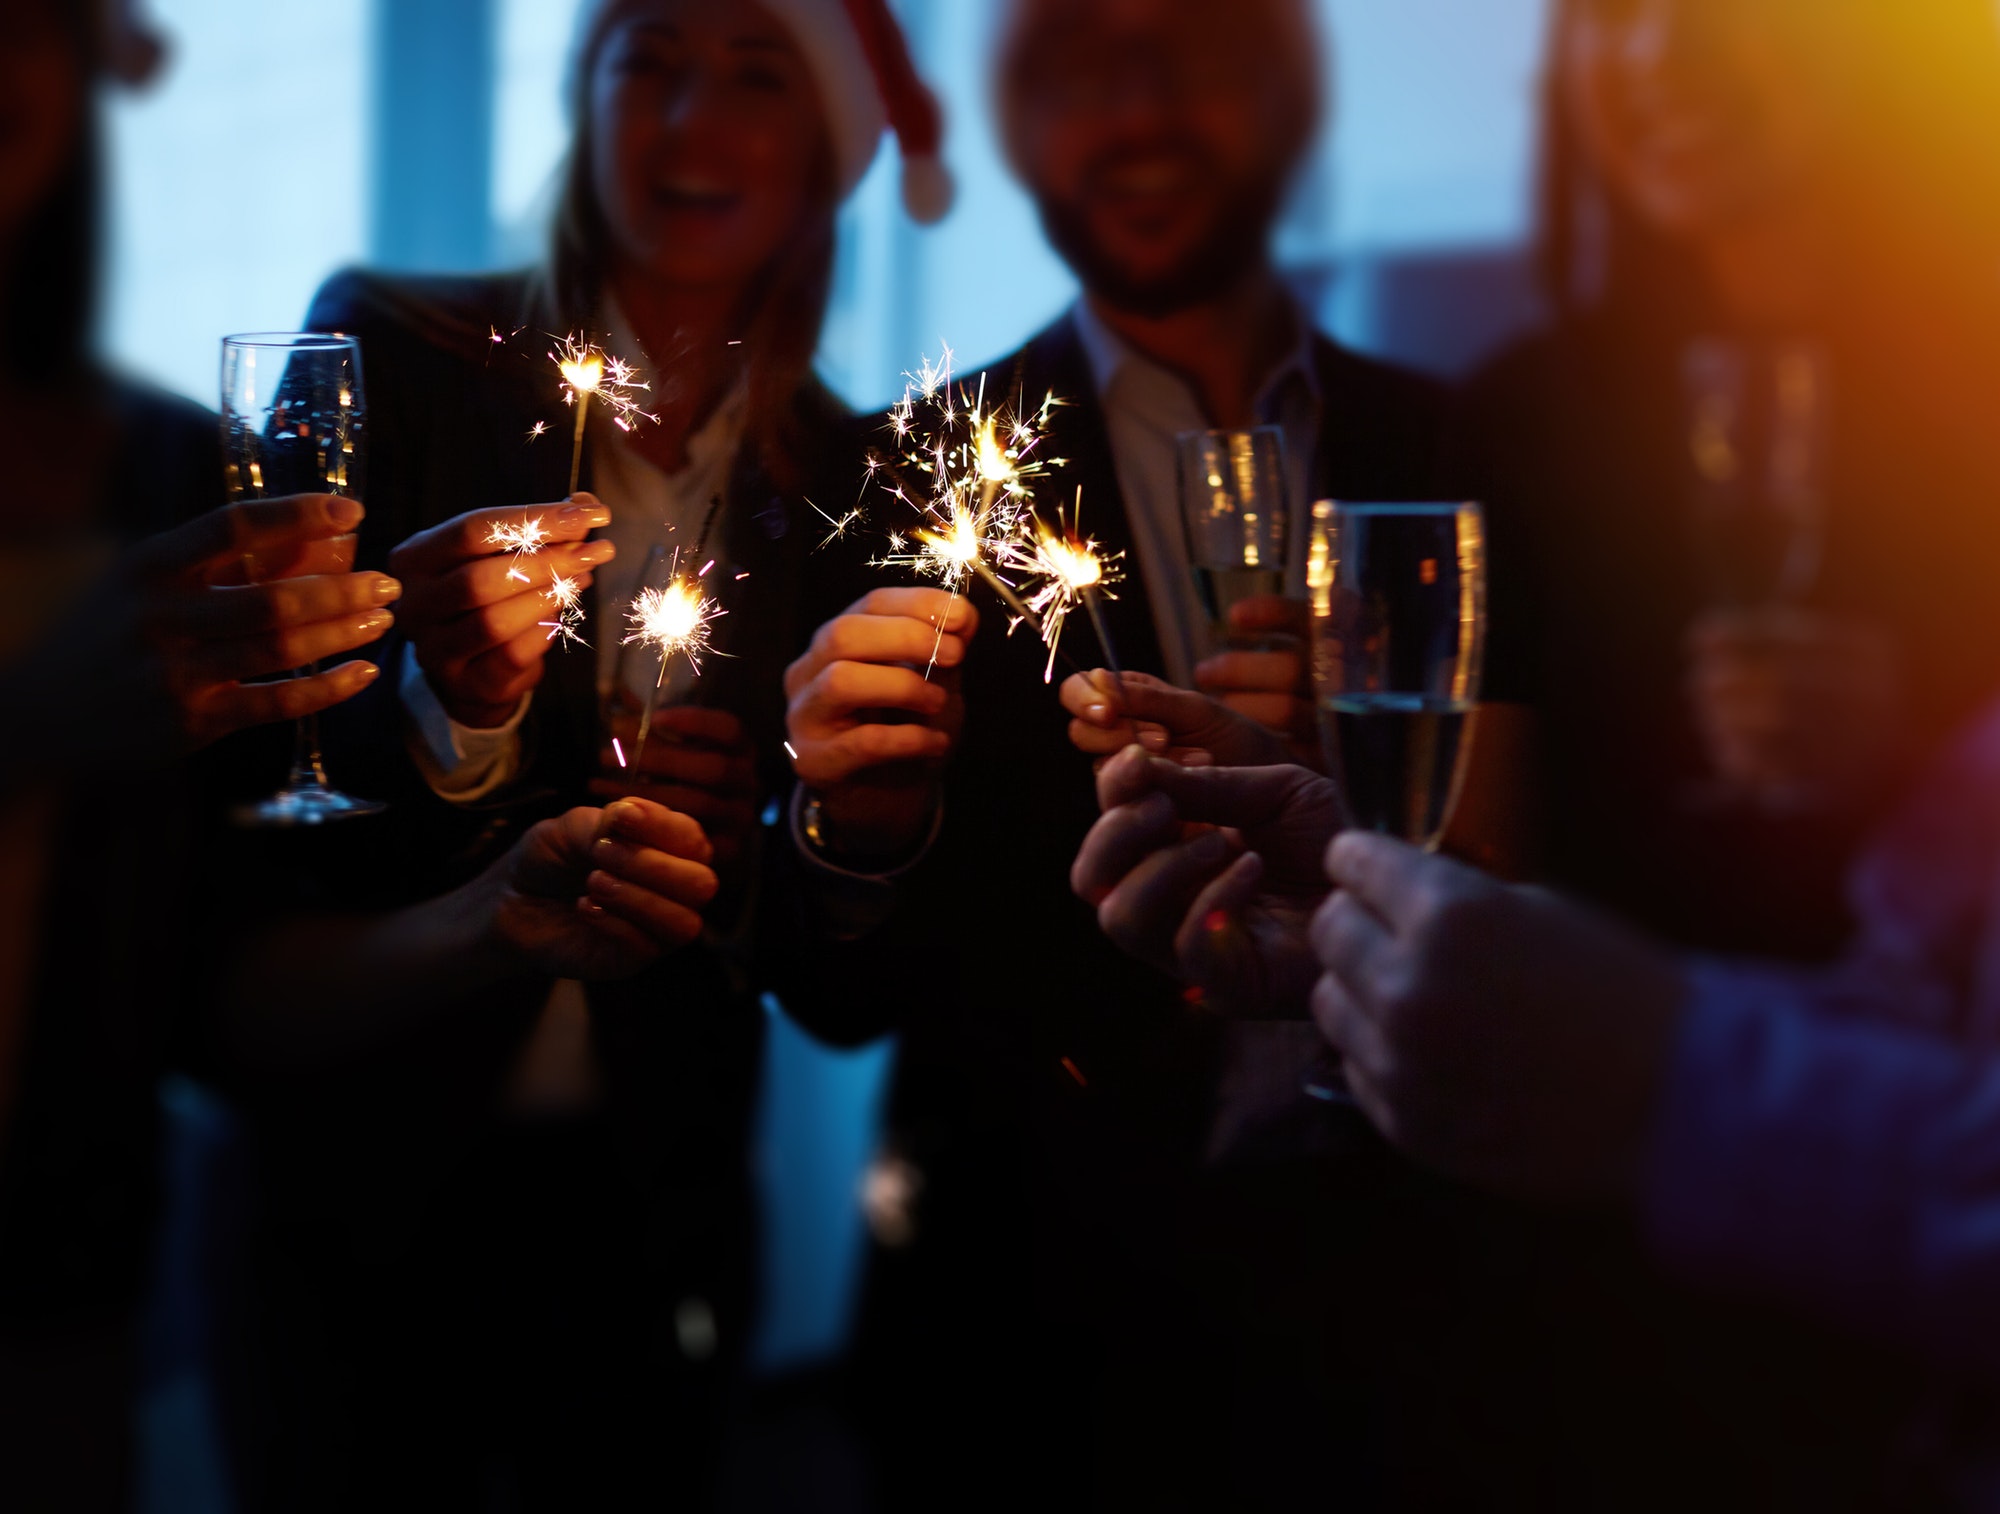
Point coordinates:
[[1791, 1148], [852, 903], [461, 763]]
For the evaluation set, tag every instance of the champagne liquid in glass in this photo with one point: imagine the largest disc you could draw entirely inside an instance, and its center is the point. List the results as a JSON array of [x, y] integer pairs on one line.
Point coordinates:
[[1399, 754]]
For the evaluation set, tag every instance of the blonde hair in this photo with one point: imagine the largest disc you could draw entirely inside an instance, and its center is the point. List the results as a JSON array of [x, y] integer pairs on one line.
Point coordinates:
[[788, 304]]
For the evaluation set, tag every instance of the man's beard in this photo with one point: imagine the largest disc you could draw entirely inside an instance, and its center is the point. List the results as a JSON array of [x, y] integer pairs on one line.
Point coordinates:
[[1237, 243]]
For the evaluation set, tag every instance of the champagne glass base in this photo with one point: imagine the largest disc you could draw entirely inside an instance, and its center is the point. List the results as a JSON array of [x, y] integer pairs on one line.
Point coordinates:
[[306, 806]]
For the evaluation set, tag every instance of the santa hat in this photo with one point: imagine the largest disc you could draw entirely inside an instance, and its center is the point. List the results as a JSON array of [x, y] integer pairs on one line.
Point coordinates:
[[868, 83]]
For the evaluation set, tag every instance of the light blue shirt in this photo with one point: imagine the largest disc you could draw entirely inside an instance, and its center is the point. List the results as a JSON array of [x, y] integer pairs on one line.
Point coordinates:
[[1146, 405]]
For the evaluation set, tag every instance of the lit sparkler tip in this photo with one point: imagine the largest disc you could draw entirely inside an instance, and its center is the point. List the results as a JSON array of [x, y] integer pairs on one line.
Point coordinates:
[[678, 619]]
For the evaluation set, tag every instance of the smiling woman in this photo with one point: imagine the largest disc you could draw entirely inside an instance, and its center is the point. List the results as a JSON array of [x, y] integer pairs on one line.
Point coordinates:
[[595, 1103]]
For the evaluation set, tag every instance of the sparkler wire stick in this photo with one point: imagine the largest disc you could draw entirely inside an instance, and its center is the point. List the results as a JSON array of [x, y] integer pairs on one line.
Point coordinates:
[[1020, 607], [576, 450], [1094, 605]]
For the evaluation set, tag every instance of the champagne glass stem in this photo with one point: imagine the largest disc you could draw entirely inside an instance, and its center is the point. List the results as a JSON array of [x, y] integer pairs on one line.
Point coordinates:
[[308, 762]]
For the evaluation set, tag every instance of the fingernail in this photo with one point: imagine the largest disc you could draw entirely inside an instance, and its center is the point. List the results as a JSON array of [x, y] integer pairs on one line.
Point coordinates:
[[344, 514], [1101, 713], [387, 591], [373, 623], [367, 672], [1153, 741], [597, 552], [591, 908], [603, 883], [590, 515], [604, 846]]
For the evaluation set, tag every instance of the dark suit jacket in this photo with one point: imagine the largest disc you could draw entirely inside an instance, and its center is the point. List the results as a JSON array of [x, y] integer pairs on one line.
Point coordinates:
[[1054, 1093], [422, 1228], [78, 1179]]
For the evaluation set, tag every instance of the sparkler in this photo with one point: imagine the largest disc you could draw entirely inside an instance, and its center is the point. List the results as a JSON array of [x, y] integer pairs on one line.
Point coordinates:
[[1068, 571], [677, 621], [590, 373], [979, 503], [568, 596], [524, 539]]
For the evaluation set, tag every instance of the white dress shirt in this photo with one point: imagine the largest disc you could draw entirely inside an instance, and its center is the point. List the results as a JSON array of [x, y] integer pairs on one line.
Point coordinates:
[[1146, 405], [649, 508]]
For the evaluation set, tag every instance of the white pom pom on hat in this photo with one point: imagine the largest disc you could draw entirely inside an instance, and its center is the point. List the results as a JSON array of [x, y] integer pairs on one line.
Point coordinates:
[[868, 83]]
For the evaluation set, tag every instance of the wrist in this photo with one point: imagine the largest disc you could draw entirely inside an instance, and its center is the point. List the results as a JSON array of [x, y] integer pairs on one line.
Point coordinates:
[[874, 832]]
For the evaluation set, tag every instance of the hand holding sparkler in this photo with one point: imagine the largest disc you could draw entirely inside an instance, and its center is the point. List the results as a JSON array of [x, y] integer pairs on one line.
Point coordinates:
[[489, 593], [699, 762], [877, 776], [155, 662], [601, 894], [1111, 713]]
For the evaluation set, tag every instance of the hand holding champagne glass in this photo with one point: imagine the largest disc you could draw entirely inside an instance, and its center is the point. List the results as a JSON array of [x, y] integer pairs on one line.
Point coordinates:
[[294, 422], [1398, 596]]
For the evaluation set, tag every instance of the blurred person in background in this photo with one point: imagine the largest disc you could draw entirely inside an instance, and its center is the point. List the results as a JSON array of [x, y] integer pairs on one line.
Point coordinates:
[[1815, 1138], [1750, 474], [1746, 484], [1057, 1299], [505, 1121], [129, 636], [1751, 460]]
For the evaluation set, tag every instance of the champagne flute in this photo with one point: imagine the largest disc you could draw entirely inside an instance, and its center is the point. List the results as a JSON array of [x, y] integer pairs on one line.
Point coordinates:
[[1398, 598], [1238, 522], [1758, 435], [294, 421], [1758, 428]]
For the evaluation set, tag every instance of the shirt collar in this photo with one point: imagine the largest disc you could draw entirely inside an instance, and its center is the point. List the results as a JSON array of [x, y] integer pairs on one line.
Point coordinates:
[[1109, 355]]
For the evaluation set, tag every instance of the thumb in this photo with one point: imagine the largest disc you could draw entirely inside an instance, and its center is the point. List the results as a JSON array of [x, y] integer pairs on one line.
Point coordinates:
[[1384, 875], [1182, 712]]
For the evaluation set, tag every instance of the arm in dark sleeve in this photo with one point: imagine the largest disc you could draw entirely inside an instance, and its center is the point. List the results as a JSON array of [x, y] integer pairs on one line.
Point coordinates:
[[1840, 1162]]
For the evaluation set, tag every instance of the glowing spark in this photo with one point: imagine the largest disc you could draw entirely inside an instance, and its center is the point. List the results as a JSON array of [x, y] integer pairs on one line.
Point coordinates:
[[792, 750], [522, 538], [618, 747], [537, 431], [568, 596], [839, 526], [676, 621], [589, 373], [975, 511]]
